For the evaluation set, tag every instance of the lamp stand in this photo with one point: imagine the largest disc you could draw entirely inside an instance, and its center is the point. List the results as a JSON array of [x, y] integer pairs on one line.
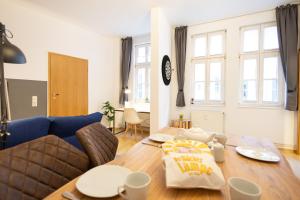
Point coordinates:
[[4, 119]]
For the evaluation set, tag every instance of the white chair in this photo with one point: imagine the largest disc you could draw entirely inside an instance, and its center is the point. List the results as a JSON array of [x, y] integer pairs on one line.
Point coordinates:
[[132, 120]]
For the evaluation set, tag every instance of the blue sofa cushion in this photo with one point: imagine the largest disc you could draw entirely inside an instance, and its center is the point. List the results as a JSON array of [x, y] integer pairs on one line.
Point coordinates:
[[25, 130], [74, 141], [67, 126]]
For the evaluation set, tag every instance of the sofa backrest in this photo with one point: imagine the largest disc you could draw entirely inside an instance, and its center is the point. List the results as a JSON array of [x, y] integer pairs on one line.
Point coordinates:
[[67, 126], [24, 130], [35, 169]]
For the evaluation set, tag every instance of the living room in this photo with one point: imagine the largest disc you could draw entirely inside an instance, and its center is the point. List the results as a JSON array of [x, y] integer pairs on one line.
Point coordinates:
[[223, 74]]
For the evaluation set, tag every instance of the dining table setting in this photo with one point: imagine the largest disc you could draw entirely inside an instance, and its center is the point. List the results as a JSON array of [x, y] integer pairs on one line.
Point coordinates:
[[177, 164]]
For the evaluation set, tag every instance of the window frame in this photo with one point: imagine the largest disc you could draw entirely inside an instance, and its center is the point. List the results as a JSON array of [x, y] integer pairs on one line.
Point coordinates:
[[279, 79], [207, 59], [246, 28], [260, 54], [242, 58], [147, 66], [205, 78]]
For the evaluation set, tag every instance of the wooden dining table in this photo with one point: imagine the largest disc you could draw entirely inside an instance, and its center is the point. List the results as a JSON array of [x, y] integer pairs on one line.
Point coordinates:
[[276, 180]]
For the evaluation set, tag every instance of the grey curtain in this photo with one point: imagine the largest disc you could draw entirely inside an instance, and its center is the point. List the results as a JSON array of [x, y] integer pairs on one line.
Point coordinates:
[[287, 26], [125, 67], [180, 49]]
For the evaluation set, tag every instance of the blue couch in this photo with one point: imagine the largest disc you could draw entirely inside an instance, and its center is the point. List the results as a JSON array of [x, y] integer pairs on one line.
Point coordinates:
[[64, 127]]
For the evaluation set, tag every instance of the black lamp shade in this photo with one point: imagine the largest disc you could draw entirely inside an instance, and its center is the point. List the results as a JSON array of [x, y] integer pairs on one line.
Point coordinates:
[[11, 53]]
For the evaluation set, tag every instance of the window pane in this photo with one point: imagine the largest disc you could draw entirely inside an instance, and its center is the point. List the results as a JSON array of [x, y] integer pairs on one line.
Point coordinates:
[[149, 84], [215, 71], [270, 68], [250, 69], [141, 54], [270, 38], [199, 91], [200, 46], [249, 90], [216, 44], [149, 54], [251, 40], [215, 91], [200, 72], [140, 83], [270, 90]]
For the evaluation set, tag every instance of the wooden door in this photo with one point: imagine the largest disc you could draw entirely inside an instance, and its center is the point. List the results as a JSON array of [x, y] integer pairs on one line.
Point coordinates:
[[298, 112], [68, 85]]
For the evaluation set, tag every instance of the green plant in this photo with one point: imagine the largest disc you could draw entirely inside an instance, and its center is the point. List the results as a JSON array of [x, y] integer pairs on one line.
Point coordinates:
[[180, 116], [108, 111]]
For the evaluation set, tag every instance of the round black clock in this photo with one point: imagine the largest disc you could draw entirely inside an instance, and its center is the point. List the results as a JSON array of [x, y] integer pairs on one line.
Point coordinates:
[[166, 70]]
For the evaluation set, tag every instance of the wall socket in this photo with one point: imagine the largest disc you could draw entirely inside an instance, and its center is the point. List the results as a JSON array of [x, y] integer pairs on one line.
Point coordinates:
[[34, 101]]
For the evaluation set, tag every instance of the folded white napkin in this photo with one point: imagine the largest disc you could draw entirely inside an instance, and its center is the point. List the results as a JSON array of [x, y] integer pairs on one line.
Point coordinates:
[[195, 134]]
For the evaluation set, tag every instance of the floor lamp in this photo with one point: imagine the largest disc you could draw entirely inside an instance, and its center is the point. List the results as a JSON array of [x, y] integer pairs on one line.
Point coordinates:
[[9, 53]]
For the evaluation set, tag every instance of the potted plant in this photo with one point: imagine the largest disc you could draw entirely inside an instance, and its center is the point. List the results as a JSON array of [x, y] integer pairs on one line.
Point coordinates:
[[109, 112], [181, 117]]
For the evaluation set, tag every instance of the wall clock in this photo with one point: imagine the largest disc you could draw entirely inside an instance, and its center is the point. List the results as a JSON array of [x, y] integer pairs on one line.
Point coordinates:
[[166, 70]]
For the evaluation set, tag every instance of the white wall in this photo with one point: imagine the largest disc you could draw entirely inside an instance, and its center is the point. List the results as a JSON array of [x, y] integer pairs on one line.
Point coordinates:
[[276, 124], [37, 32], [160, 46]]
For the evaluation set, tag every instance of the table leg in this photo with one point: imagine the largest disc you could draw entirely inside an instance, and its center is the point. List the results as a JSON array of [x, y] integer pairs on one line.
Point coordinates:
[[114, 125]]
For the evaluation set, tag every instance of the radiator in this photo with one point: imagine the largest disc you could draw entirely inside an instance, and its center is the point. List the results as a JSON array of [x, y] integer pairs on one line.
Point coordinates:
[[208, 120]]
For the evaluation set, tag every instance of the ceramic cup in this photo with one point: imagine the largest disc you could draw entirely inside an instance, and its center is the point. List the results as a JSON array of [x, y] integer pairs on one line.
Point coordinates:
[[221, 139], [242, 189], [218, 152], [136, 186]]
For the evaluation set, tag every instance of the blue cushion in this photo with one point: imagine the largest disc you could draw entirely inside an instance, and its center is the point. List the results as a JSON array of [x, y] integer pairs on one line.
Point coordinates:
[[25, 130], [74, 141], [67, 126]]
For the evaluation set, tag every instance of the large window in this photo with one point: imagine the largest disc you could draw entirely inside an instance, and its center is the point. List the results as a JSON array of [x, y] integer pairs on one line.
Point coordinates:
[[142, 73], [208, 62], [261, 82]]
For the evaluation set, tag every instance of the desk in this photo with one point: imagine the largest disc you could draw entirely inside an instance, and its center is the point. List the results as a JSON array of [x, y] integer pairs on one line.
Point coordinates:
[[139, 109], [276, 179]]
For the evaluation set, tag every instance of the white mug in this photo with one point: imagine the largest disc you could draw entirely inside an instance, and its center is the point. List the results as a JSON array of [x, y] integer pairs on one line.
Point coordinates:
[[136, 186], [242, 189], [218, 152]]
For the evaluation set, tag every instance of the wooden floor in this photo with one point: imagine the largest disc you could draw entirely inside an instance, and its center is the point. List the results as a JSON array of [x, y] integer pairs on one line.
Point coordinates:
[[126, 141]]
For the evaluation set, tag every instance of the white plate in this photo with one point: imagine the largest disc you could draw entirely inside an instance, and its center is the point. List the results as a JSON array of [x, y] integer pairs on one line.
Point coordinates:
[[102, 181], [258, 153], [159, 137]]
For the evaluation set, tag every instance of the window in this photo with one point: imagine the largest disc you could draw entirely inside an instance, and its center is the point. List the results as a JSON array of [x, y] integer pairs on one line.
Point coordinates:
[[208, 67], [142, 73], [260, 65]]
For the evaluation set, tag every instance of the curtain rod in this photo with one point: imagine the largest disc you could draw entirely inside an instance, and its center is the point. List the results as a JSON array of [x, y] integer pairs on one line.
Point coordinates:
[[292, 3]]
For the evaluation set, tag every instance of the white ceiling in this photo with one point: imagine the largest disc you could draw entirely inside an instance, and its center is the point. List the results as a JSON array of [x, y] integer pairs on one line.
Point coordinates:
[[132, 17]]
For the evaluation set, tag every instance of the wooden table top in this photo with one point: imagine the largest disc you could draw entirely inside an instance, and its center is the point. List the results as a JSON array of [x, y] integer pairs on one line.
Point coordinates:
[[276, 179]]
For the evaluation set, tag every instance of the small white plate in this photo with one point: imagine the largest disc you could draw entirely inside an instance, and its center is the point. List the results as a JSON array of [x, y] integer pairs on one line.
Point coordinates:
[[258, 153], [102, 181], [159, 137]]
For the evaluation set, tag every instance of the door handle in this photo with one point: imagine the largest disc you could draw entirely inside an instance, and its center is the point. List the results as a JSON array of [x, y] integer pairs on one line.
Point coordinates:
[[55, 95]]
